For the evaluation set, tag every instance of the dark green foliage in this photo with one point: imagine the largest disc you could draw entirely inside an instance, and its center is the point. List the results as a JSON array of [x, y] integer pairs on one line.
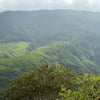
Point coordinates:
[[43, 82], [53, 82]]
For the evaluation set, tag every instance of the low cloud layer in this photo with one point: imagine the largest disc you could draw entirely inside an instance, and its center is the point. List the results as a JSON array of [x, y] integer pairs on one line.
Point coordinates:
[[91, 5]]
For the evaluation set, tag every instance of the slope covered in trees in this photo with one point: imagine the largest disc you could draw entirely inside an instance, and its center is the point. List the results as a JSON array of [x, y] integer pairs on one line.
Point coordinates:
[[46, 26], [69, 54]]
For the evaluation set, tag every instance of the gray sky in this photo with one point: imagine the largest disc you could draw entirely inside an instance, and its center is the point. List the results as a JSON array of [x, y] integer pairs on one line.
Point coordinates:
[[92, 5]]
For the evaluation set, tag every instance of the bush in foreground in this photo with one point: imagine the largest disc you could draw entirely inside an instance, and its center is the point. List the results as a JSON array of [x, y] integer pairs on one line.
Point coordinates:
[[49, 82], [42, 83], [87, 88]]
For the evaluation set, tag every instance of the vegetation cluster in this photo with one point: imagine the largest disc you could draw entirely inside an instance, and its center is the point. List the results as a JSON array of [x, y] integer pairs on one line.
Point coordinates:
[[53, 82]]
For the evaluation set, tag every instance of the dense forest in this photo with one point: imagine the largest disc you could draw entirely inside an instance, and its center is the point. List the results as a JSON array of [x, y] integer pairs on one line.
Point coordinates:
[[61, 37]]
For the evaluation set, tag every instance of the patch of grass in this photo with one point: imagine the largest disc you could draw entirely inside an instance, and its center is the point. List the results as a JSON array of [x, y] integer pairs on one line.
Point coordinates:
[[9, 50]]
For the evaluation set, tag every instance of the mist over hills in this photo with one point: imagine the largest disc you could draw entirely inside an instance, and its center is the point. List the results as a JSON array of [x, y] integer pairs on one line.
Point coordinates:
[[46, 26], [68, 37]]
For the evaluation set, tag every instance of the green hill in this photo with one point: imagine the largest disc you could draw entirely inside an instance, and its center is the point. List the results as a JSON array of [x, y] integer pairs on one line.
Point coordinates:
[[44, 27], [9, 50], [70, 54]]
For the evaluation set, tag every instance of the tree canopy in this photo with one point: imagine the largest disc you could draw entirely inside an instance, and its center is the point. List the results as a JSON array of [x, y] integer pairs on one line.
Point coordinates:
[[53, 82], [41, 83]]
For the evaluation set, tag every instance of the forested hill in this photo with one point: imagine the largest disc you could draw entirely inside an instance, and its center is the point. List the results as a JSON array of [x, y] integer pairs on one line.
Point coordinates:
[[69, 54], [46, 26], [25, 38]]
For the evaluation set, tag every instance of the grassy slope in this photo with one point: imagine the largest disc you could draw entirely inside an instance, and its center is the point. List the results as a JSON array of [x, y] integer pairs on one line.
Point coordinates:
[[9, 50], [66, 53]]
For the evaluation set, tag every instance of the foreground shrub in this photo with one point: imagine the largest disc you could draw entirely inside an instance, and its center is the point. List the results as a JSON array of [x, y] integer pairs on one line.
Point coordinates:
[[87, 88], [42, 83]]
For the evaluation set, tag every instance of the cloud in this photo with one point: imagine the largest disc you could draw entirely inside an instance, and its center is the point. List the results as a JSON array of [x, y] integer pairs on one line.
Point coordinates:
[[91, 2], [90, 5], [69, 2], [93, 5]]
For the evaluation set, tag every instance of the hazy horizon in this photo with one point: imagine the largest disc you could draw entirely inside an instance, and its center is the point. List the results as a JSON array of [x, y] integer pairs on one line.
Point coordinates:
[[26, 5], [48, 10]]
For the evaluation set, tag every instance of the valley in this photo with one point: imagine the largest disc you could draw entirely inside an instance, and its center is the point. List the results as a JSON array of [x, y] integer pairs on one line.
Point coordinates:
[[31, 38]]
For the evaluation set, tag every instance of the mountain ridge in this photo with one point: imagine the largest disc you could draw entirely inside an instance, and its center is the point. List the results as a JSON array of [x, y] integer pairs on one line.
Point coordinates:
[[65, 53], [30, 26]]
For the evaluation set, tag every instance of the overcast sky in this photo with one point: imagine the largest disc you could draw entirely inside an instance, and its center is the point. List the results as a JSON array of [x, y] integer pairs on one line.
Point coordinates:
[[92, 5]]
